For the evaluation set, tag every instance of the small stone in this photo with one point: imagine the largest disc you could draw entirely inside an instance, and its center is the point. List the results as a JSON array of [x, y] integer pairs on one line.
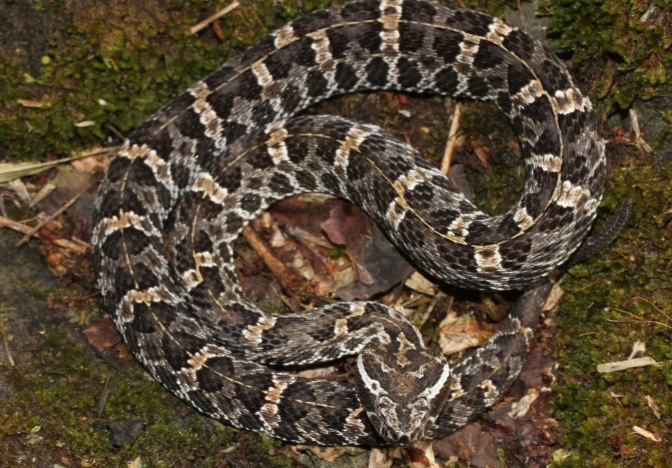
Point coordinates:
[[124, 432]]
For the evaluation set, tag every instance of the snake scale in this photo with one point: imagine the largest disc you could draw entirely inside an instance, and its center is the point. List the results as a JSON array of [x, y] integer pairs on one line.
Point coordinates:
[[207, 163]]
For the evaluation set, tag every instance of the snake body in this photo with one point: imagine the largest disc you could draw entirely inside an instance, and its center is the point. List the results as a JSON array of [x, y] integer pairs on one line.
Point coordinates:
[[216, 156]]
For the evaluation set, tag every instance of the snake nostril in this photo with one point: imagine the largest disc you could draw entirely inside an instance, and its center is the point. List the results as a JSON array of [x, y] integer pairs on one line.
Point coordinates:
[[403, 441]]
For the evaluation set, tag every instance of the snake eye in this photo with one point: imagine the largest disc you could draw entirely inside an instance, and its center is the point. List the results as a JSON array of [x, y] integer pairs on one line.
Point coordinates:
[[385, 403]]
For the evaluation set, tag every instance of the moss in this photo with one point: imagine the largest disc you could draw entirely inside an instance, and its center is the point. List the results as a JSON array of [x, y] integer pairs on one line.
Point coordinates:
[[611, 302], [107, 65], [628, 41], [60, 404], [498, 185]]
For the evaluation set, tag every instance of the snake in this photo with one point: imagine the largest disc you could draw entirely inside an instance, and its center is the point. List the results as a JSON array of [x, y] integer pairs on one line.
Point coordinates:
[[186, 182]]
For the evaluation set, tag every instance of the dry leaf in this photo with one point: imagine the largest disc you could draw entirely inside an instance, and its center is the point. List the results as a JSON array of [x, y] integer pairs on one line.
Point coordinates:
[[469, 443], [19, 188], [328, 454], [102, 335], [481, 151], [654, 407], [85, 123], [418, 455], [522, 406], [644, 433], [378, 458], [318, 373], [637, 348], [553, 298], [30, 103], [459, 333], [421, 454], [97, 163], [419, 283]]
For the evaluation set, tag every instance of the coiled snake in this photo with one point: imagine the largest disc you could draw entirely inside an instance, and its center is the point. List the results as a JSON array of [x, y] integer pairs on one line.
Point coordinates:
[[217, 155]]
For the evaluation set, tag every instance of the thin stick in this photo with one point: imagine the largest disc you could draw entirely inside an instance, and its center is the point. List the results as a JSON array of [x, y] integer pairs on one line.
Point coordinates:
[[5, 343], [640, 298], [452, 139], [78, 248], [10, 172], [104, 395], [40, 225], [72, 246], [285, 277], [215, 17], [637, 319]]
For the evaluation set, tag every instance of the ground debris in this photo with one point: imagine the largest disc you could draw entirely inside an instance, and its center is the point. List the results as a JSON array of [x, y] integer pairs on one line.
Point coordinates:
[[124, 432], [102, 335]]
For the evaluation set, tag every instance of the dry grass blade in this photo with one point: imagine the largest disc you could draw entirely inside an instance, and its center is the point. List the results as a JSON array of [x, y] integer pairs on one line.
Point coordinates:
[[11, 171], [623, 365], [215, 17], [452, 139], [5, 342], [67, 205], [638, 319], [76, 247]]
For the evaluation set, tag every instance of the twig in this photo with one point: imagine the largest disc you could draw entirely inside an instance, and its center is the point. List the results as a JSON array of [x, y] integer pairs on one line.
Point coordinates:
[[640, 298], [215, 17], [286, 277], [432, 304], [104, 395], [67, 205], [5, 342], [637, 319], [64, 243], [622, 365], [452, 139], [15, 171], [639, 139], [116, 131]]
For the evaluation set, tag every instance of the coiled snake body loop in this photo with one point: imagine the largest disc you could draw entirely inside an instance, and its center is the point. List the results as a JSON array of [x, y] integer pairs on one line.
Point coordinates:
[[220, 153]]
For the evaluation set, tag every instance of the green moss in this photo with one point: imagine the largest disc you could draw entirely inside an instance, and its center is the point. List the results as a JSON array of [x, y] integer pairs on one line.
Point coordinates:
[[619, 298], [628, 41], [108, 65], [60, 404]]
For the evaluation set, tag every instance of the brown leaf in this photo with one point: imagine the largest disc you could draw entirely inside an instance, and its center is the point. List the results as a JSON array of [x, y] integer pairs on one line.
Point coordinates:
[[307, 215], [349, 226], [418, 456], [102, 335], [481, 151], [94, 163], [457, 333], [653, 405], [328, 454], [470, 443], [378, 265]]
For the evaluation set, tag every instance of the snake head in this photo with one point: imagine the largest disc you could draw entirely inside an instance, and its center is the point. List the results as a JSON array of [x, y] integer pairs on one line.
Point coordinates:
[[402, 389]]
